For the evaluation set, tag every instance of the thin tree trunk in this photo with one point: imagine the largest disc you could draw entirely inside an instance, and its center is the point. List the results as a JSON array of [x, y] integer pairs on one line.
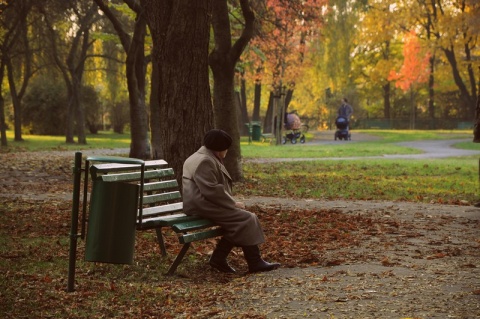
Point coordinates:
[[257, 101], [386, 100], [465, 98], [17, 107], [243, 108], [222, 61], [431, 89], [268, 121], [476, 127], [3, 125]]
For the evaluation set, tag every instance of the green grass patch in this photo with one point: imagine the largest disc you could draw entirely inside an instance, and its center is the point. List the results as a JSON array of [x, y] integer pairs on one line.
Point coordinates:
[[441, 181], [390, 136], [33, 143], [340, 149]]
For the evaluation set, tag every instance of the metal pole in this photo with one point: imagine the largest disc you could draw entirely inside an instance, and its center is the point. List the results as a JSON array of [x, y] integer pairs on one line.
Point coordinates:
[[77, 172]]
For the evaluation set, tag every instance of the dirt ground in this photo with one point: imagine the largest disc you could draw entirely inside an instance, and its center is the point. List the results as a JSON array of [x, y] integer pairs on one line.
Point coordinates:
[[427, 266], [424, 262]]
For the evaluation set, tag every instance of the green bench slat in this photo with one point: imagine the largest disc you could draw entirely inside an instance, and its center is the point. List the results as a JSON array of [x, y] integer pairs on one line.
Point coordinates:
[[158, 198], [192, 225], [156, 186], [191, 237], [113, 167], [162, 210], [135, 176], [166, 221]]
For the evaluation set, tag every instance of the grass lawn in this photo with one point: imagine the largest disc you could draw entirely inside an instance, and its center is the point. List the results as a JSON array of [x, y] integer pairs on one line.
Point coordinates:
[[433, 180]]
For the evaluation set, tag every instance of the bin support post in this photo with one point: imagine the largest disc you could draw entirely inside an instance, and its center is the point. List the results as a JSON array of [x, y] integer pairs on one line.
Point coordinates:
[[77, 172]]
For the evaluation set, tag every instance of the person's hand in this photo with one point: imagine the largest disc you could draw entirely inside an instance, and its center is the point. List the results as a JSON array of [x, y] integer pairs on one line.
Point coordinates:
[[240, 205]]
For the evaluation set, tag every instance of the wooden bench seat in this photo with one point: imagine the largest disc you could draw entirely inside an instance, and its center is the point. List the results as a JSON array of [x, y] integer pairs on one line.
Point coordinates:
[[160, 201]]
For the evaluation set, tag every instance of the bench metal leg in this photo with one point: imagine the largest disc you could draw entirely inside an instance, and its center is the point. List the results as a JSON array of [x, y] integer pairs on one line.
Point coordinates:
[[178, 260], [161, 243]]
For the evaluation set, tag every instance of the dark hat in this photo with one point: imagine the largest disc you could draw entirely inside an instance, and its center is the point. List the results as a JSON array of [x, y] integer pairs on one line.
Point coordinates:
[[217, 140]]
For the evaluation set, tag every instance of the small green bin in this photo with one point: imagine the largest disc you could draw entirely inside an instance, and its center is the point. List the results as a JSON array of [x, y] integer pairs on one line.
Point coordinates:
[[111, 222], [256, 131]]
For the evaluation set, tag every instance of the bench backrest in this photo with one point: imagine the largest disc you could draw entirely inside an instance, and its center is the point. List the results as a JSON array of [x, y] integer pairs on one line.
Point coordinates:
[[161, 195]]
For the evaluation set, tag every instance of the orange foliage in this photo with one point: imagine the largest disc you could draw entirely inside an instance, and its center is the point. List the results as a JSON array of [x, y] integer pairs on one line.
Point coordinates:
[[415, 64]]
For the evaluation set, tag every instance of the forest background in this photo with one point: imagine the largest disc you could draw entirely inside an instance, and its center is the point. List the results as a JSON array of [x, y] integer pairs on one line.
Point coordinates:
[[169, 71]]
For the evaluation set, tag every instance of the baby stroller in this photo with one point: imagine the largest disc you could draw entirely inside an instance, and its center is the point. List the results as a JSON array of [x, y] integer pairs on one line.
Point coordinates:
[[342, 129], [293, 124]]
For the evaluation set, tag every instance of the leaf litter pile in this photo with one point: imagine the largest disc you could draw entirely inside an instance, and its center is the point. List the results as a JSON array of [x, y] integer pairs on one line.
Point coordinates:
[[399, 261]]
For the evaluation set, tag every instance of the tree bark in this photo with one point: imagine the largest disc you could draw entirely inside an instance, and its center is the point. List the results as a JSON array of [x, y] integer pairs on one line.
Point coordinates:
[[222, 61], [183, 114], [243, 118], [3, 125], [136, 88]]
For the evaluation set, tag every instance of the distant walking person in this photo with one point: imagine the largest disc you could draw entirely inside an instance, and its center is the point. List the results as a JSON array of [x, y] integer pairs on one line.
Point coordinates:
[[345, 110]]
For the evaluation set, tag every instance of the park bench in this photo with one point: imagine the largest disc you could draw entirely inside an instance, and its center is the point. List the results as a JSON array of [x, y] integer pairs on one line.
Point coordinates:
[[159, 201]]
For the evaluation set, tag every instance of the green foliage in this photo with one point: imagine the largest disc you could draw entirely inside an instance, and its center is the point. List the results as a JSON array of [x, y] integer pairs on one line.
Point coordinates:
[[45, 106]]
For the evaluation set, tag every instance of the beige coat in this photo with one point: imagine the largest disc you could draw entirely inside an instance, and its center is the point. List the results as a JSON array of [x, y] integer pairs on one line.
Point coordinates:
[[207, 192]]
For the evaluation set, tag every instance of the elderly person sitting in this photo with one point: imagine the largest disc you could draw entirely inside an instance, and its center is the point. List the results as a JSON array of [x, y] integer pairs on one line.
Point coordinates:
[[207, 192]]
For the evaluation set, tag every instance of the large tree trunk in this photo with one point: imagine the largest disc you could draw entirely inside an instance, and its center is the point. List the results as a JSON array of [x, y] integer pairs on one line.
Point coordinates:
[[136, 88], [180, 34]]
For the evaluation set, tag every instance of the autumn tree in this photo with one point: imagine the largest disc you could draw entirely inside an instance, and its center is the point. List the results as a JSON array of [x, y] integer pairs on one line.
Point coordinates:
[[280, 49], [375, 55], [414, 70]]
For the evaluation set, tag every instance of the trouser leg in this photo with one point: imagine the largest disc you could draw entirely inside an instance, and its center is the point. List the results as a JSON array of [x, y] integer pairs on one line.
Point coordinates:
[[218, 260]]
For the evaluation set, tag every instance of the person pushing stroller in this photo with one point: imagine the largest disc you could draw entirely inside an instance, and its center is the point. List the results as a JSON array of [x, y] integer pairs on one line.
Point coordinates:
[[344, 113], [345, 110]]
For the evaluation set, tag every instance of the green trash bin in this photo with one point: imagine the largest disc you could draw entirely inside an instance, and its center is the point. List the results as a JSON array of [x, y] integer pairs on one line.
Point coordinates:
[[111, 222], [256, 131]]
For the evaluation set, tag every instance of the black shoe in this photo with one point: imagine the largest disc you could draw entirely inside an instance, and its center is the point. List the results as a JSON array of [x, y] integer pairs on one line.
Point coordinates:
[[262, 266], [222, 266], [255, 261]]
